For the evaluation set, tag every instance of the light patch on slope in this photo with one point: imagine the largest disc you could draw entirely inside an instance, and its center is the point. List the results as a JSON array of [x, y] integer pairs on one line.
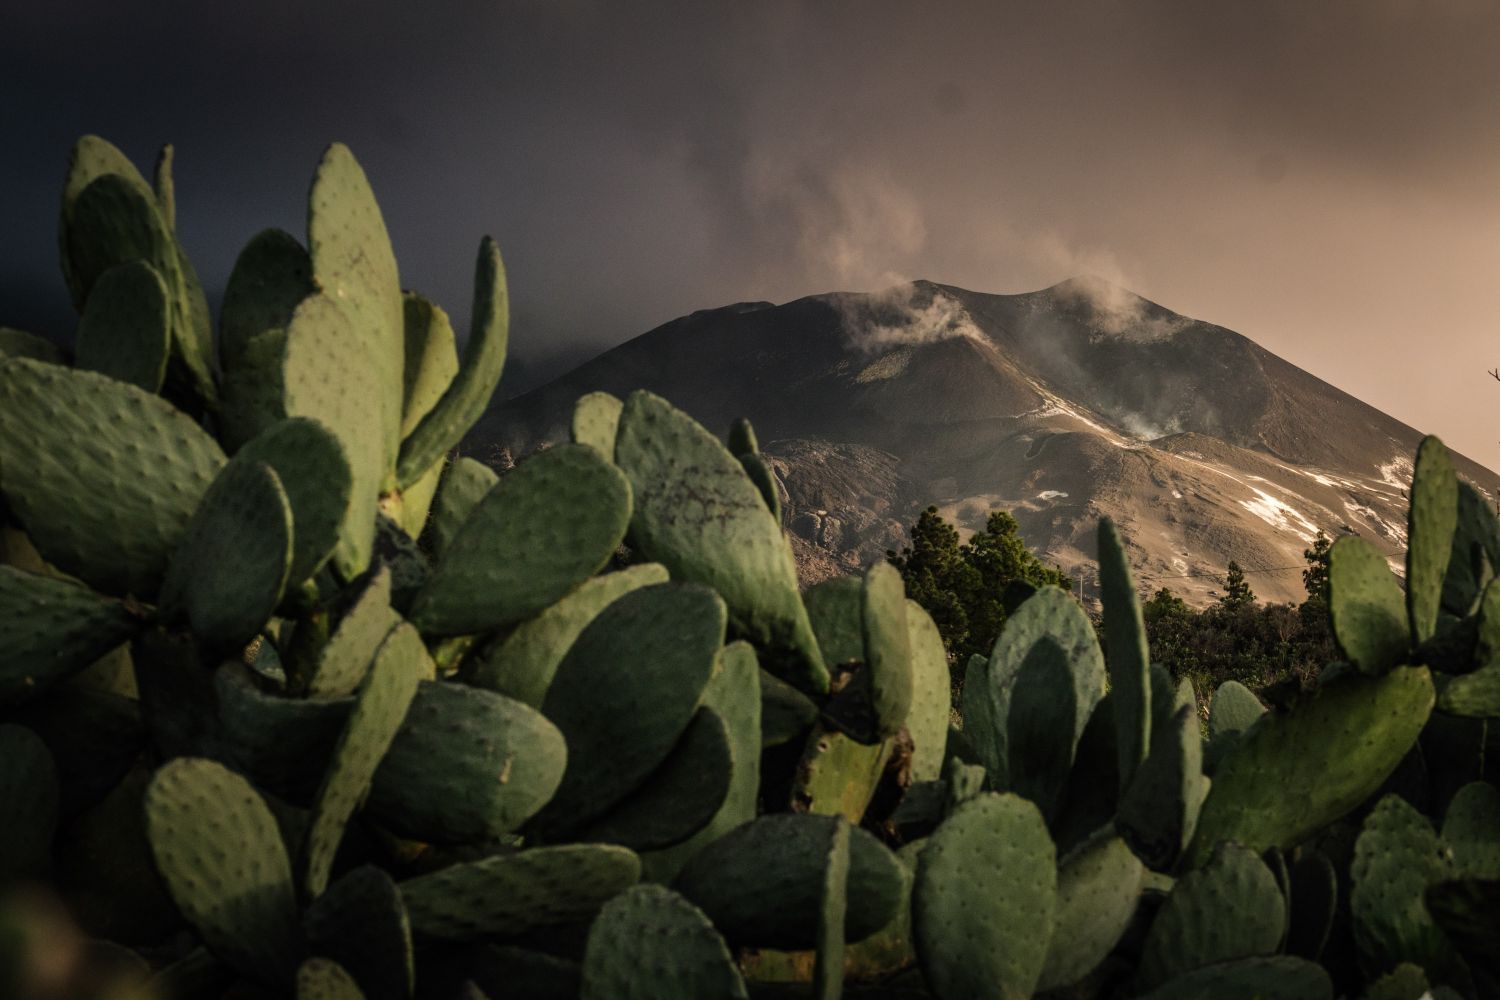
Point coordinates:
[[1391, 529], [1054, 406], [886, 366], [1279, 514], [1050, 494], [1397, 472]]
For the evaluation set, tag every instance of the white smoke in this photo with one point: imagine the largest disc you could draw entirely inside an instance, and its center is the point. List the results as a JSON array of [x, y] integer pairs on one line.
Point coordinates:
[[905, 315]]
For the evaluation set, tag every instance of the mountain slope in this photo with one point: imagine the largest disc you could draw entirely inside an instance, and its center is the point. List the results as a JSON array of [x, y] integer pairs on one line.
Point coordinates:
[[1060, 405]]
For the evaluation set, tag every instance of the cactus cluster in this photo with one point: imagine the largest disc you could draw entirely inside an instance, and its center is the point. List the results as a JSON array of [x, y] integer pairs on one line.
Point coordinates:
[[294, 702]]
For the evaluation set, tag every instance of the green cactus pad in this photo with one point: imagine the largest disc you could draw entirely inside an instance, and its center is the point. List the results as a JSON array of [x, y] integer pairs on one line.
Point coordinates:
[[1366, 606], [761, 883], [221, 854], [325, 979], [835, 607], [828, 973], [125, 331], [734, 694], [697, 513], [1476, 551], [431, 359], [1234, 709], [467, 765], [984, 899], [271, 277], [927, 722], [1315, 890], [329, 375], [1292, 774], [1468, 910], [91, 158], [761, 474], [379, 709], [651, 944], [1041, 714], [742, 439], [313, 469], [230, 570], [837, 775], [1129, 662], [464, 400], [28, 805], [596, 419], [1475, 696], [1280, 976], [1098, 889], [464, 483], [1404, 982], [1230, 908], [51, 628], [507, 970], [1487, 644], [137, 468], [521, 663], [785, 713], [20, 344], [166, 190], [545, 528], [1431, 519], [508, 894], [1397, 856], [361, 923], [677, 799], [1471, 829], [1159, 811], [347, 656], [887, 647], [625, 693], [264, 736], [354, 267]]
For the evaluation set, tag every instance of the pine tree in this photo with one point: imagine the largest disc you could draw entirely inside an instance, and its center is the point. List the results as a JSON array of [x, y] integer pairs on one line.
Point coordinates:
[[1237, 593], [1315, 577]]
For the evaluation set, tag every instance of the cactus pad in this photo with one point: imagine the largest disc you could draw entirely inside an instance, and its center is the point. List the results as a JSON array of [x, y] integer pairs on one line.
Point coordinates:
[[1471, 829], [329, 375], [28, 805], [431, 359], [221, 854], [927, 722], [761, 883], [112, 514], [697, 513], [544, 529], [50, 628], [351, 649], [272, 275], [521, 664], [1475, 695], [1280, 976], [651, 944], [1098, 889], [625, 693], [596, 419], [126, 328], [1291, 774], [464, 483], [464, 400], [507, 894], [360, 922], [1366, 606], [887, 647], [828, 972], [1159, 812], [230, 570], [734, 695], [379, 708], [325, 979], [679, 797], [1431, 519], [466, 765], [1397, 856], [984, 899], [1129, 662], [1229, 909], [314, 471]]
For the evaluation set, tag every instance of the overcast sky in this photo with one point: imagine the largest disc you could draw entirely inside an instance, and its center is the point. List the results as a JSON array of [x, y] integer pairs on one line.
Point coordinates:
[[1322, 177]]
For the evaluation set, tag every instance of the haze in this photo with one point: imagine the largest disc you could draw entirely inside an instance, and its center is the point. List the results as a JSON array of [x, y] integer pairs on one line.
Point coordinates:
[[1323, 178]]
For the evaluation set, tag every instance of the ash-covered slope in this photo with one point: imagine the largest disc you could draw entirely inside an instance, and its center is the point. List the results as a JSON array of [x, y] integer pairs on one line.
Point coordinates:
[[1060, 405]]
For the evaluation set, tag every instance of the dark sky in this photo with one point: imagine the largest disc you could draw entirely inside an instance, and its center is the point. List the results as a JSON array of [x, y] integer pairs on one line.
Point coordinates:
[[1322, 177]]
